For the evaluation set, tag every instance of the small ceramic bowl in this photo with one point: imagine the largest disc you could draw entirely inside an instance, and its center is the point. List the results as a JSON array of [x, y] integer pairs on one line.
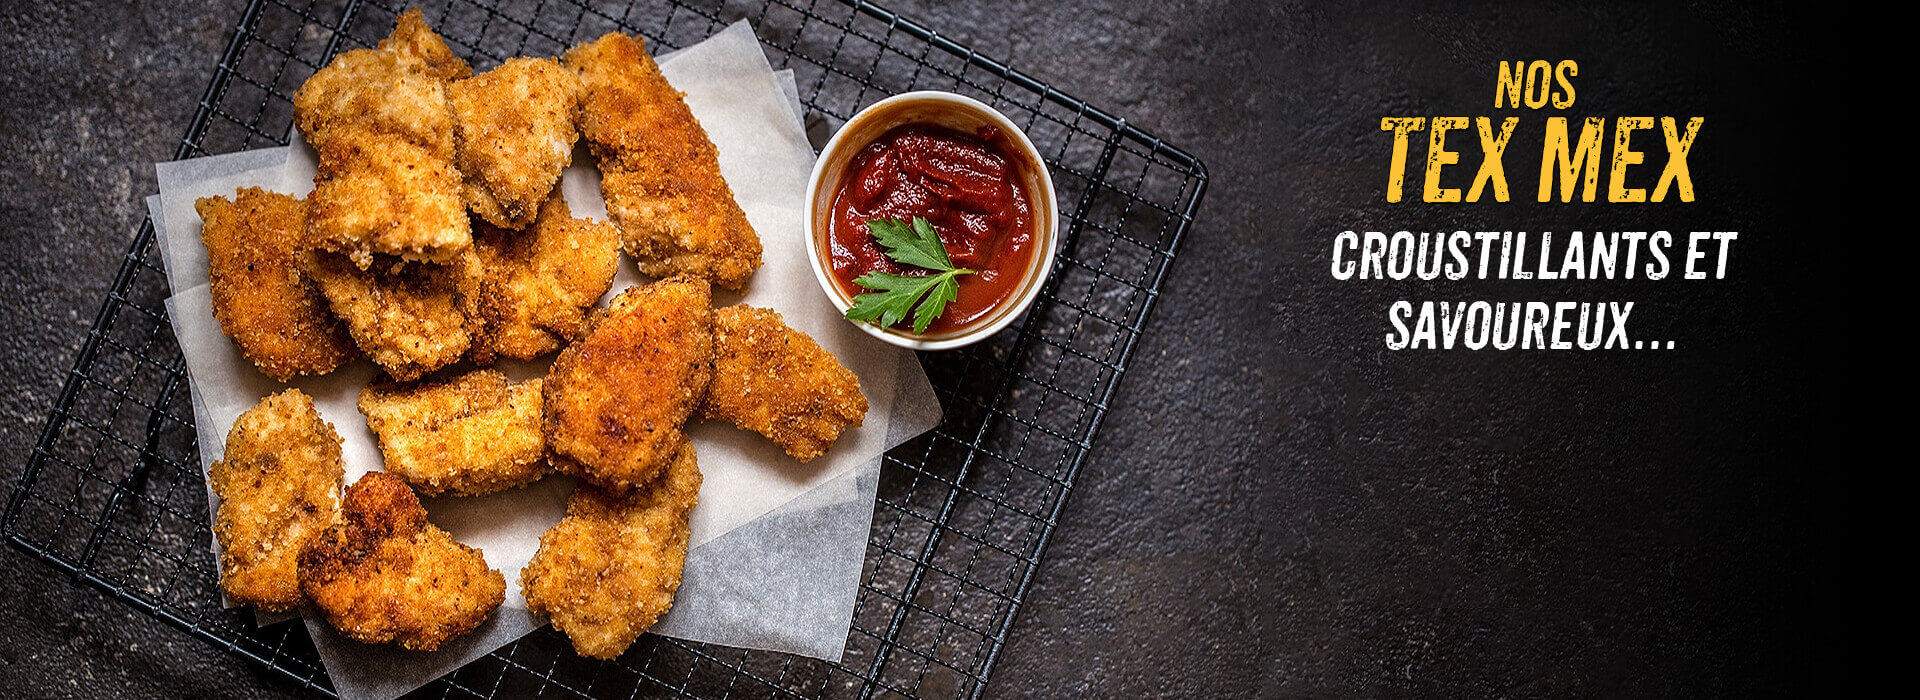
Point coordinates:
[[958, 113]]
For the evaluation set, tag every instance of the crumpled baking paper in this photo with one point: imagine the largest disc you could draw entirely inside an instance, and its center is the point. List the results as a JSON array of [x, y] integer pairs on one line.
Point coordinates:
[[777, 545]]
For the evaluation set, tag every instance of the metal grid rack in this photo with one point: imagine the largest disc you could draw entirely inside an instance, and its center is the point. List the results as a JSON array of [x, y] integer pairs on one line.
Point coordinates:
[[113, 492]]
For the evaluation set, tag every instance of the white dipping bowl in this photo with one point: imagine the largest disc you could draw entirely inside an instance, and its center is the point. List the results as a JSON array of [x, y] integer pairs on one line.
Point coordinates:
[[958, 113]]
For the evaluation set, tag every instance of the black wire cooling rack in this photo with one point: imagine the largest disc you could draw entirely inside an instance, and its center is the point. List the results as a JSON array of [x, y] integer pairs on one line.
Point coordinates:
[[113, 492]]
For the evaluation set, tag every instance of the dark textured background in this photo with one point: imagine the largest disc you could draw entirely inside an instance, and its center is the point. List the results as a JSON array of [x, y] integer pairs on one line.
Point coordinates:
[[1277, 505]]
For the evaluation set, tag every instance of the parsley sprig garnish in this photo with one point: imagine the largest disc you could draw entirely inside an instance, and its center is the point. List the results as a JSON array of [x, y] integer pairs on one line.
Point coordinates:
[[894, 296]]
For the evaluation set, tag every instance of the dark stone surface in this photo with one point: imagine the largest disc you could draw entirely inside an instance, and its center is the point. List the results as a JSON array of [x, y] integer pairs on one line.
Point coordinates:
[[1277, 505], [95, 93]]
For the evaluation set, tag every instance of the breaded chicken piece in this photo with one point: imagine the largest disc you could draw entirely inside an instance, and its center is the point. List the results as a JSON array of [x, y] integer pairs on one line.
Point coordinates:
[[467, 435], [379, 194], [415, 44], [405, 316], [515, 126], [609, 569], [384, 574], [371, 91], [660, 173], [533, 288], [383, 127], [279, 487], [261, 298], [398, 88], [618, 398], [778, 382]]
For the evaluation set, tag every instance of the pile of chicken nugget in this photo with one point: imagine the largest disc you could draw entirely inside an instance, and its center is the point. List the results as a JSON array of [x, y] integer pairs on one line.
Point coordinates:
[[435, 242]]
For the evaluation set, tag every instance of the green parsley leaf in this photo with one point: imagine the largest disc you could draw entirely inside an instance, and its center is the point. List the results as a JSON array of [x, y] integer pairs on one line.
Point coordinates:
[[895, 296], [915, 245], [945, 290]]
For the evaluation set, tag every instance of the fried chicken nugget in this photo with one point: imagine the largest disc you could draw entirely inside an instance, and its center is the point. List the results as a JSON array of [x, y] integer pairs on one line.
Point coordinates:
[[660, 173], [372, 91], [383, 127], [467, 435], [415, 44], [533, 288], [515, 127], [778, 382], [279, 487], [406, 317], [609, 569], [398, 88], [262, 300], [618, 398], [380, 194], [384, 574]]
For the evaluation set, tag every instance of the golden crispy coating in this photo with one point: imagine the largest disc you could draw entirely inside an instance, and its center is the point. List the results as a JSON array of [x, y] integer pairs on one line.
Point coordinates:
[[660, 173], [263, 301], [279, 487], [516, 127], [383, 128], [370, 91], [405, 316], [384, 574], [533, 288], [617, 398], [416, 44], [607, 570], [775, 381], [376, 193], [468, 435], [397, 89]]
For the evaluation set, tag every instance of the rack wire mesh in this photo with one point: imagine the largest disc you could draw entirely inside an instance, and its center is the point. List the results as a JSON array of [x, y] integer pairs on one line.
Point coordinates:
[[113, 493]]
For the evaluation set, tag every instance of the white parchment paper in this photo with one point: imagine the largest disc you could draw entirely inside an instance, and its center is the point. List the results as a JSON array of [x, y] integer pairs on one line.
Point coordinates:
[[777, 545]]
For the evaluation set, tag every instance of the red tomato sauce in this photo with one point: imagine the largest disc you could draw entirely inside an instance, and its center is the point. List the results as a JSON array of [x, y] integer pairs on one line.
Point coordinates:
[[969, 187]]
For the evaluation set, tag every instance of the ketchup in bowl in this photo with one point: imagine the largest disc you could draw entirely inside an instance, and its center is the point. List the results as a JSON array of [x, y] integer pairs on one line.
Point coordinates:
[[968, 186]]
